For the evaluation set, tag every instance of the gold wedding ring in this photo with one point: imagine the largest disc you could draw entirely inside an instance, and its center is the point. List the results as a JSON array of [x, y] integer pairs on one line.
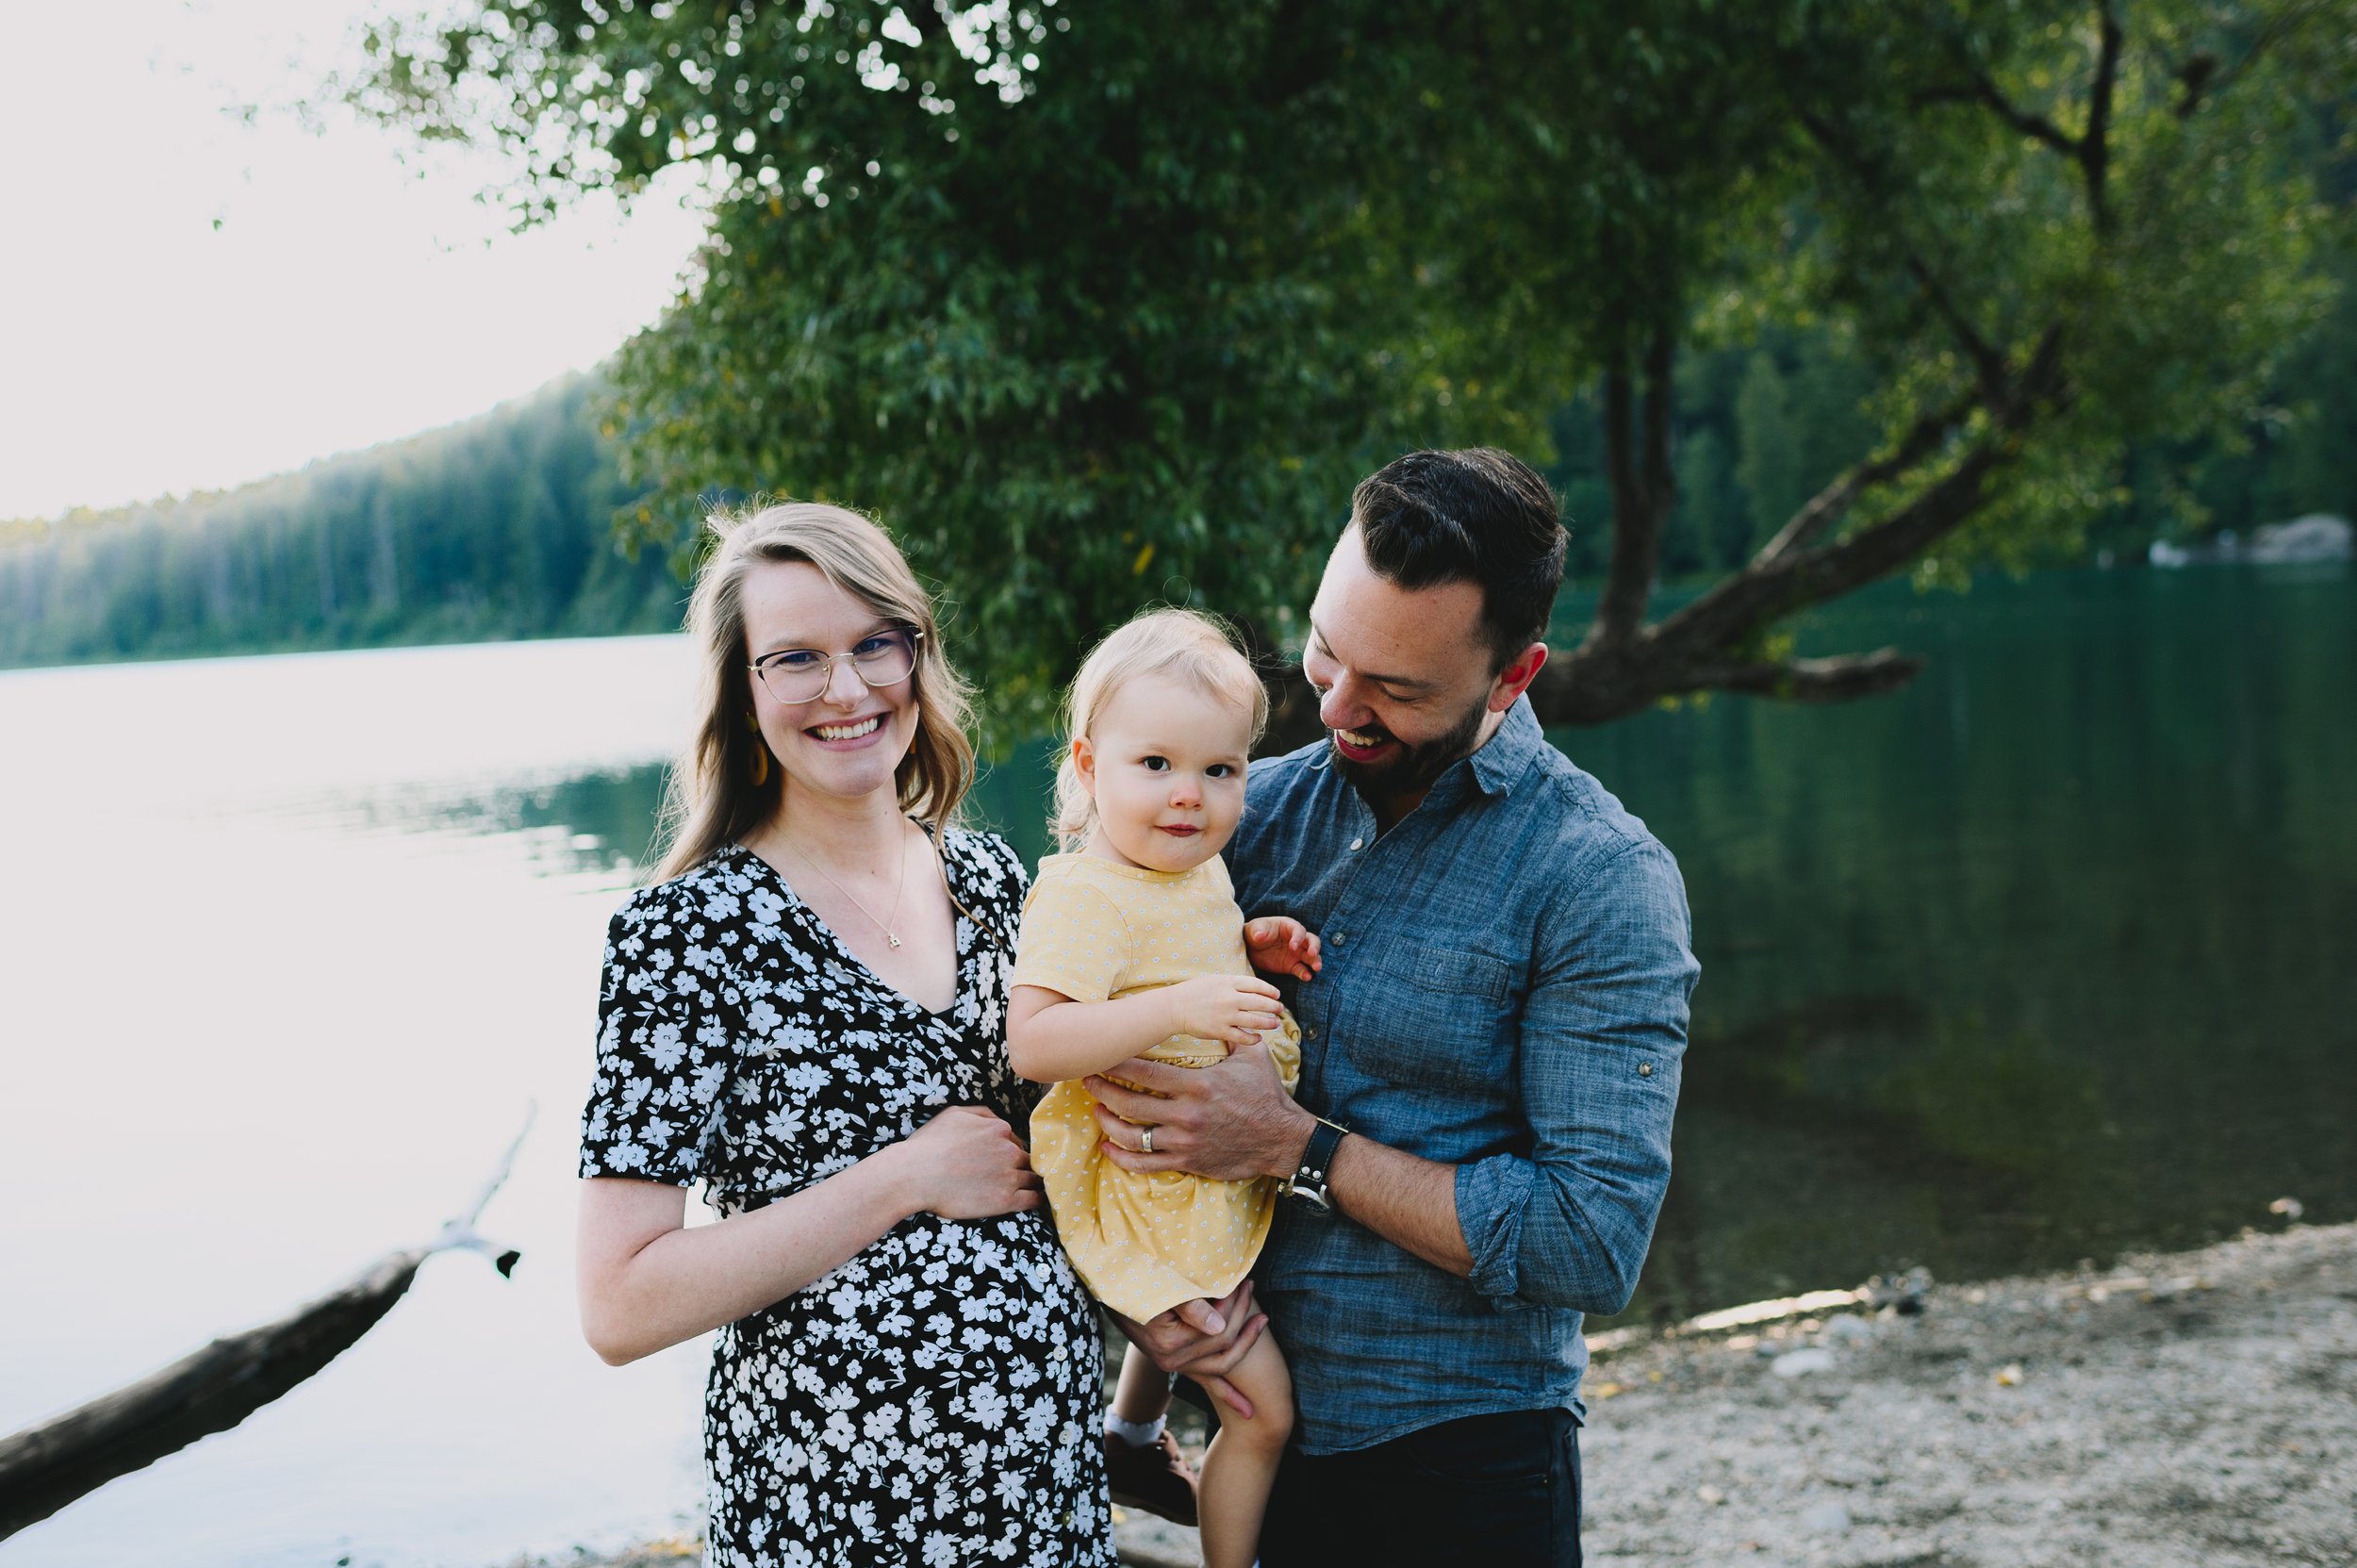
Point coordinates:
[[1146, 1141]]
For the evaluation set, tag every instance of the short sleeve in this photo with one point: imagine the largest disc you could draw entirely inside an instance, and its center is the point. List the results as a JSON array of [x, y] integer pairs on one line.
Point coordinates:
[[997, 884], [665, 1049], [1006, 883], [1074, 940]]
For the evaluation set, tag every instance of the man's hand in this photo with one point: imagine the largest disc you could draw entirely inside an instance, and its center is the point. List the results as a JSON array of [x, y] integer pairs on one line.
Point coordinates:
[[1230, 1121], [1280, 945], [1203, 1340]]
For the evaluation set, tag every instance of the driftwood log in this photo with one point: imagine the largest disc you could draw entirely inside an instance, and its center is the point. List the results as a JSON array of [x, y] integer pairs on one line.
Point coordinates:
[[48, 1465]]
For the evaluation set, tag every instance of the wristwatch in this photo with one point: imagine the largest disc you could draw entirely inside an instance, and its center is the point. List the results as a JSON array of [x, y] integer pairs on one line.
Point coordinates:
[[1308, 1182]]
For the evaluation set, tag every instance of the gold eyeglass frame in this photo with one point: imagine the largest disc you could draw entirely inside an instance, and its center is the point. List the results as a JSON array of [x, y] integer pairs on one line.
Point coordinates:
[[913, 634]]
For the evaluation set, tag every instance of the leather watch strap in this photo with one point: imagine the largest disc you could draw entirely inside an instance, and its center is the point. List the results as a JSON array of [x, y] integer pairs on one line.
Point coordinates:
[[1317, 1164]]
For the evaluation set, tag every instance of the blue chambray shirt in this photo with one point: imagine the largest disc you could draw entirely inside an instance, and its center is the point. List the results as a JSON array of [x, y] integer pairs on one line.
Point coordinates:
[[1505, 989]]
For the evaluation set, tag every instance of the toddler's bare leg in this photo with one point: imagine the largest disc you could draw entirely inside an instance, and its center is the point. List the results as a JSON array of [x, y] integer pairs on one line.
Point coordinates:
[[1144, 1391], [1241, 1462]]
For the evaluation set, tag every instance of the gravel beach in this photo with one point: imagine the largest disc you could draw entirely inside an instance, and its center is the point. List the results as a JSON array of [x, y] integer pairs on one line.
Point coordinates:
[[2197, 1410], [2187, 1410]]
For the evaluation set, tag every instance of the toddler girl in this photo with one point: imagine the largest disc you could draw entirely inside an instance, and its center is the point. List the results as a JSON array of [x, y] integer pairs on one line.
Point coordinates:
[[1132, 946]]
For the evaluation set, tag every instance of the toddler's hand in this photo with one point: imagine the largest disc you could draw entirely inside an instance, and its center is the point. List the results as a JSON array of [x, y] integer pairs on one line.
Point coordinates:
[[1233, 1009], [1280, 945]]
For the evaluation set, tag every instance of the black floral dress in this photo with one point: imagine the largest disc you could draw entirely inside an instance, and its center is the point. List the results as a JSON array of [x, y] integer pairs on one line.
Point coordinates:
[[935, 1399]]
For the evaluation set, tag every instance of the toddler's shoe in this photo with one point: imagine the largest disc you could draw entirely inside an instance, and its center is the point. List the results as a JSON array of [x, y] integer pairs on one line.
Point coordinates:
[[1152, 1476]]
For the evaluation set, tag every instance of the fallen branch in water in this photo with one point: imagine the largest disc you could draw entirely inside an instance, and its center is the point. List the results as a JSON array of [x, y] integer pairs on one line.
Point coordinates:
[[44, 1467]]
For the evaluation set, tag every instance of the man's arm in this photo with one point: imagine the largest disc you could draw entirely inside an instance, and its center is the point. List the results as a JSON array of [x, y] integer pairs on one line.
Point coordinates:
[[1232, 1121], [1603, 1035], [1603, 1039]]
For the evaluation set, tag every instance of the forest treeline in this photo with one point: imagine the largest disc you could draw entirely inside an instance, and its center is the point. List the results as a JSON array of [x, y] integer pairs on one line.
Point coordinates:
[[502, 526]]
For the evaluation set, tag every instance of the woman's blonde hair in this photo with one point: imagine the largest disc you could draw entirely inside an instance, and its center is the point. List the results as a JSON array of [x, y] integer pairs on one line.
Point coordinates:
[[1190, 644], [711, 801]]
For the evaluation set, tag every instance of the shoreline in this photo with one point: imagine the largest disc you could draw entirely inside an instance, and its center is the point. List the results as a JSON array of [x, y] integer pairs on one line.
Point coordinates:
[[2186, 1410]]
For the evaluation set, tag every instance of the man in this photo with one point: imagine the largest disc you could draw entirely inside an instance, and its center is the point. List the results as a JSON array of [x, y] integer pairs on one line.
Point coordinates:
[[1491, 1049]]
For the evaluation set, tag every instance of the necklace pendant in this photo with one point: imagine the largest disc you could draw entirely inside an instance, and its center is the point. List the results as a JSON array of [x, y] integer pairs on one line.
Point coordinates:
[[894, 940]]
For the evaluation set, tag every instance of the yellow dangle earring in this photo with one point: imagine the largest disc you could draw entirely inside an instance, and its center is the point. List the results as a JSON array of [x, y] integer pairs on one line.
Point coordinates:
[[761, 752]]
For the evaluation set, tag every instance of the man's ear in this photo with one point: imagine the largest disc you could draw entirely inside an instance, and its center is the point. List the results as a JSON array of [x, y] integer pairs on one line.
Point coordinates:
[[1516, 677]]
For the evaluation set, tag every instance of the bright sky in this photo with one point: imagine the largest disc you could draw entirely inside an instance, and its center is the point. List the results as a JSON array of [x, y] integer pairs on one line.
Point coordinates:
[[187, 300]]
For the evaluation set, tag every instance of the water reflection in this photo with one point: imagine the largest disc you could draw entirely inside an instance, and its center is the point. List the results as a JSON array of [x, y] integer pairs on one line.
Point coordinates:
[[600, 823], [2044, 959]]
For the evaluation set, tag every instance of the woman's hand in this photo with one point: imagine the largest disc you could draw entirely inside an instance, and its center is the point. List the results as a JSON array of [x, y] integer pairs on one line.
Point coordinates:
[[965, 1164], [1234, 1010], [1280, 945]]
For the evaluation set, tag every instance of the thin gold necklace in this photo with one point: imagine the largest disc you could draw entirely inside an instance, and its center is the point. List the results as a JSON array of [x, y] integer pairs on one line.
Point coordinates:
[[899, 886]]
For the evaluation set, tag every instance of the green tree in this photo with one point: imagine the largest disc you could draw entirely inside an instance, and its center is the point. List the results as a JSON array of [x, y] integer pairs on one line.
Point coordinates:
[[1101, 305]]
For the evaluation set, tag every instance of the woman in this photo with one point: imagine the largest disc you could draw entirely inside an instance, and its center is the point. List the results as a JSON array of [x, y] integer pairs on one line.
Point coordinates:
[[808, 1013]]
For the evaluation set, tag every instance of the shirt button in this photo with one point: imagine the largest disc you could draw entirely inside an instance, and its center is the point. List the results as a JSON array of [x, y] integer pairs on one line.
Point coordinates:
[[1644, 1069], [1358, 843], [1336, 940]]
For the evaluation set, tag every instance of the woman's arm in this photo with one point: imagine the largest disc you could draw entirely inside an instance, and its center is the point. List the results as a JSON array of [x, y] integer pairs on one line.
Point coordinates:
[[647, 1281], [1050, 1037]]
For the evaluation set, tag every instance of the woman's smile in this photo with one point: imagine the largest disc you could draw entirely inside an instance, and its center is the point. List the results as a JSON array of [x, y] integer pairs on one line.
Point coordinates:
[[846, 734]]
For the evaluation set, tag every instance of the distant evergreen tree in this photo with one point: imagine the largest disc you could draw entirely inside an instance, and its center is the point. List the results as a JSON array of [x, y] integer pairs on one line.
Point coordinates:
[[499, 527]]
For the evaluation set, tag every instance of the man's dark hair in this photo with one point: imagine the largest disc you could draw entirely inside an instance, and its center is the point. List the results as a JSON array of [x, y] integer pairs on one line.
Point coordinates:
[[1476, 515]]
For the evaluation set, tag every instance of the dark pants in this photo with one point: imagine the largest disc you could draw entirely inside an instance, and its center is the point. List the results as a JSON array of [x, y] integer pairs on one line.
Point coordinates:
[[1502, 1491]]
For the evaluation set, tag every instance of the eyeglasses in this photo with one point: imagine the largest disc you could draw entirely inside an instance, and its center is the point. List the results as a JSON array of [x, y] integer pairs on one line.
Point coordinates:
[[794, 675]]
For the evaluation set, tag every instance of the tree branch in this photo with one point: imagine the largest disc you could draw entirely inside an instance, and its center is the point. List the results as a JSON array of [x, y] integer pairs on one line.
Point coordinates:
[[1988, 363], [1828, 504], [1739, 606], [1984, 90], [2095, 146], [2200, 74], [1840, 679], [2091, 150]]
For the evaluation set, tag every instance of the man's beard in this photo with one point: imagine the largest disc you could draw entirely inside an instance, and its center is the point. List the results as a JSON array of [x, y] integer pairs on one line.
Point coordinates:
[[1414, 766]]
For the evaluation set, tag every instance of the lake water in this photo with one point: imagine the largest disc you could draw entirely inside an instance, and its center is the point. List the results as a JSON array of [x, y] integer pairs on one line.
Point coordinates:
[[2048, 957]]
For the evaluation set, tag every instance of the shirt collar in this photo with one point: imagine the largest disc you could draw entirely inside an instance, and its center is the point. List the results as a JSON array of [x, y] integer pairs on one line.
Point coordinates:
[[1507, 754]]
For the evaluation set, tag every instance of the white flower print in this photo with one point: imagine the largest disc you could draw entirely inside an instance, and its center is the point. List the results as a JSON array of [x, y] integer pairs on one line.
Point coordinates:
[[664, 1046], [927, 1397]]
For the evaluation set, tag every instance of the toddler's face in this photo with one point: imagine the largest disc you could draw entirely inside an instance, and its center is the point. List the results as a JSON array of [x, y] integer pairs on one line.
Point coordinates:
[[1165, 763]]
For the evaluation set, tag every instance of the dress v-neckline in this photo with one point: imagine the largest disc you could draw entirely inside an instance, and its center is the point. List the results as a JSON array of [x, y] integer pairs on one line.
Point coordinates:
[[959, 940]]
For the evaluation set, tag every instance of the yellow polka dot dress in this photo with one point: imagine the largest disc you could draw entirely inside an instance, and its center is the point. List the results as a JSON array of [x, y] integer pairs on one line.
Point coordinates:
[[1094, 929]]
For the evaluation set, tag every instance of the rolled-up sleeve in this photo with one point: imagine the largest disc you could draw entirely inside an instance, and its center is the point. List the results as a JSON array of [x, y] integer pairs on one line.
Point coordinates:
[[1602, 1037]]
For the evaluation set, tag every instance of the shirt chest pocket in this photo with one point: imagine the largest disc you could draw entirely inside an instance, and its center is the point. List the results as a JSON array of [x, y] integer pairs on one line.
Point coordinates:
[[1431, 1016]]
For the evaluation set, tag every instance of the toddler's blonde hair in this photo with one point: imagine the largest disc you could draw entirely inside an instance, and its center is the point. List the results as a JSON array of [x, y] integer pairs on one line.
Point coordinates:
[[1190, 644]]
